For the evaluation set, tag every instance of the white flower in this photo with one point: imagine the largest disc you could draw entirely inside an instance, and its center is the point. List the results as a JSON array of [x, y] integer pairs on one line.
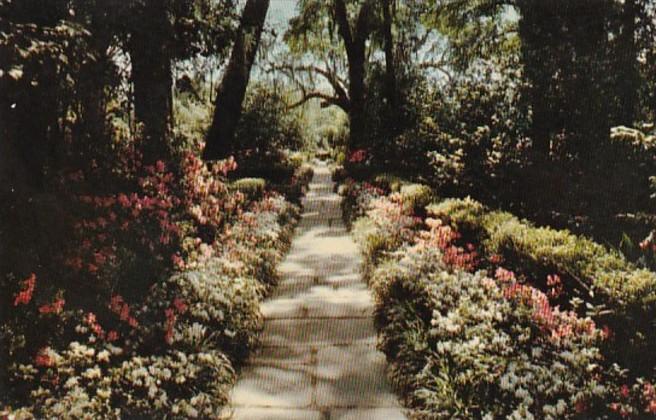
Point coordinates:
[[104, 393], [103, 356], [561, 406], [92, 373], [71, 382]]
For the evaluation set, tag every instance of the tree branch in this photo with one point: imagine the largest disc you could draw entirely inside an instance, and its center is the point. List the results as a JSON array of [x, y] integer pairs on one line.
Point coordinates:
[[437, 65], [326, 100], [340, 98]]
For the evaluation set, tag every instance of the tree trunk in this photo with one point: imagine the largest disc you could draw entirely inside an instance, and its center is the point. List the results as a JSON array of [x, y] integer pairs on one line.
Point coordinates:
[[93, 133], [151, 75], [390, 65], [355, 44], [357, 116], [231, 91], [629, 80], [536, 31]]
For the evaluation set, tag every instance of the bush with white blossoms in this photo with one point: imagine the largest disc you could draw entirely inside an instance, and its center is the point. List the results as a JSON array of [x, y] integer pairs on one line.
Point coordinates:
[[484, 344], [74, 382], [174, 385], [226, 307], [174, 354], [460, 347]]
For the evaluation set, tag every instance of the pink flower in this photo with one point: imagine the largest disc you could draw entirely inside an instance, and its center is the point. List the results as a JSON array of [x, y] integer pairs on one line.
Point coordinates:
[[624, 391], [553, 280], [504, 275], [123, 200], [651, 408]]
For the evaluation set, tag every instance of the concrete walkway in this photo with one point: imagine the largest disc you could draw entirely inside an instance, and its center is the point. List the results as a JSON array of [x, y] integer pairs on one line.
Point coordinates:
[[318, 359]]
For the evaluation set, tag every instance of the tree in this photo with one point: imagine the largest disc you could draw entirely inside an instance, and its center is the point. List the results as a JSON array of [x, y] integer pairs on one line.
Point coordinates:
[[321, 24], [158, 33], [564, 52], [354, 38], [150, 46], [231, 91]]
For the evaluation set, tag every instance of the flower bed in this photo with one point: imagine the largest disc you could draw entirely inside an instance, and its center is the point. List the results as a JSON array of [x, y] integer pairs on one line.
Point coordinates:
[[624, 296], [497, 342], [172, 349]]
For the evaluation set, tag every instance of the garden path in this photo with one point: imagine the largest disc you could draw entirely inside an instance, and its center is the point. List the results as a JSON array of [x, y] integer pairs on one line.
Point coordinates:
[[318, 358]]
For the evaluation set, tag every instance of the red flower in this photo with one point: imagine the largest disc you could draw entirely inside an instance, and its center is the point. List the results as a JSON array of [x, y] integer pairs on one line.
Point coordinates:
[[25, 295], [56, 307], [358, 156], [123, 200], [624, 391], [42, 358], [112, 336], [99, 258], [180, 305]]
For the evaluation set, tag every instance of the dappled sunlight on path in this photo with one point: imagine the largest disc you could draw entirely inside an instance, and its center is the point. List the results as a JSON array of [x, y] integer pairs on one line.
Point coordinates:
[[318, 358]]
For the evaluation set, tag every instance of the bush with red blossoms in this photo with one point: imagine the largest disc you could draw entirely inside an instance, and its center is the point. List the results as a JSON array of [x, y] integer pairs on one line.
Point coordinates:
[[166, 263]]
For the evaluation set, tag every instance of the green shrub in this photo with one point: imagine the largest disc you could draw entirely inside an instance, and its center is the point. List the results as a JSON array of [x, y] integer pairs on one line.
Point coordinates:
[[224, 304], [296, 159], [86, 382], [601, 276], [266, 124], [155, 386], [253, 188], [389, 182], [382, 228], [415, 197]]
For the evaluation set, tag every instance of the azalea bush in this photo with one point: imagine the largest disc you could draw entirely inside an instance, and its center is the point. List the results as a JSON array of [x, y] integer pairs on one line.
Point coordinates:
[[160, 301], [616, 290], [474, 330], [465, 345]]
